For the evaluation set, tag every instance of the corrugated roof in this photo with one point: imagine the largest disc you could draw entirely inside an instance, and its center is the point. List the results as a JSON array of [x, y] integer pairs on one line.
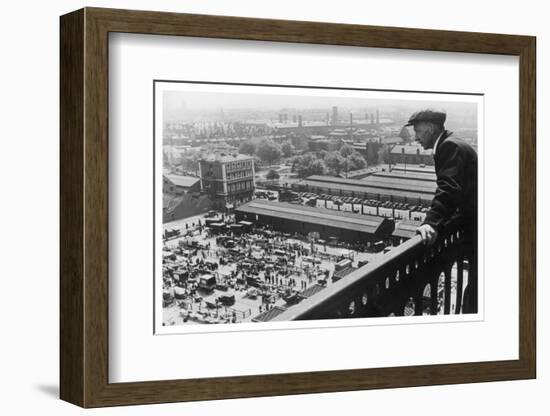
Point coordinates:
[[402, 184], [406, 228], [411, 186], [338, 219], [311, 290], [359, 190], [409, 175], [183, 181], [411, 167], [344, 272], [268, 315]]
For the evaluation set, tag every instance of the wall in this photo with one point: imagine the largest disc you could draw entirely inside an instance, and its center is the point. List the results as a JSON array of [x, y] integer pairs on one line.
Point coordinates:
[[29, 256]]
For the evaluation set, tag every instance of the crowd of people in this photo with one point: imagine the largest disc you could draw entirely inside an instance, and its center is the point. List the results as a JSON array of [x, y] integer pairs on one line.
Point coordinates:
[[259, 268]]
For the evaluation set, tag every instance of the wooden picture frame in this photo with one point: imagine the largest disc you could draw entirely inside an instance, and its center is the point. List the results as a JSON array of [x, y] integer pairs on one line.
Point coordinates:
[[84, 207]]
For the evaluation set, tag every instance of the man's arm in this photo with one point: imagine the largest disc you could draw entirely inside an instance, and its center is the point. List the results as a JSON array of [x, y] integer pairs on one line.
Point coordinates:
[[450, 177], [427, 233]]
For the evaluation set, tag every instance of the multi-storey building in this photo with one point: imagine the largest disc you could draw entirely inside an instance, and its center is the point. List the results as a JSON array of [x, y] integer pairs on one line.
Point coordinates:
[[228, 179], [411, 154]]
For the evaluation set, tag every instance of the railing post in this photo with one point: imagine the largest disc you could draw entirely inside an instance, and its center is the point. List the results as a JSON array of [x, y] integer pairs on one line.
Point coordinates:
[[459, 281], [419, 301], [447, 288], [433, 295], [470, 294]]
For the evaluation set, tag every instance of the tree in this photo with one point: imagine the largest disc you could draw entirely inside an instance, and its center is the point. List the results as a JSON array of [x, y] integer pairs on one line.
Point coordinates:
[[356, 161], [309, 157], [317, 167], [269, 151], [346, 150], [272, 174], [247, 147], [335, 162], [308, 164], [287, 148], [300, 164], [190, 160]]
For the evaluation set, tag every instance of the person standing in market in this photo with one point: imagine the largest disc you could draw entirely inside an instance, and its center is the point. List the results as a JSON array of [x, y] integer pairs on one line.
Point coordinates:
[[456, 194]]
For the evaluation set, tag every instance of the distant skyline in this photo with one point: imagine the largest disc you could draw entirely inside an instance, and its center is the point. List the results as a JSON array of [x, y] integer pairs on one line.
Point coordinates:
[[187, 105]]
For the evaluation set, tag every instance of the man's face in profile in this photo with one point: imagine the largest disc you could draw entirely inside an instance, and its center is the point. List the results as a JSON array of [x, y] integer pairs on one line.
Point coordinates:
[[425, 134]]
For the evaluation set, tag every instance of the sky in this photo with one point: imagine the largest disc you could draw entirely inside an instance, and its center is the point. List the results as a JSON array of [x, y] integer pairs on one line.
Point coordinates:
[[184, 105]]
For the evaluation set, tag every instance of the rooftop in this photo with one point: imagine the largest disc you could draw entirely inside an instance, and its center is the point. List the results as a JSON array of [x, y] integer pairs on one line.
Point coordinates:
[[401, 183], [391, 140], [406, 174], [410, 150], [224, 158], [337, 219], [397, 184], [183, 181], [406, 228], [269, 314], [413, 167], [359, 190], [344, 272], [311, 290], [361, 172]]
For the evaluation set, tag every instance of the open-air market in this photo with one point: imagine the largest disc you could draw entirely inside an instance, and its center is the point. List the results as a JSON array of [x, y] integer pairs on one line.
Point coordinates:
[[222, 271], [220, 268], [273, 214]]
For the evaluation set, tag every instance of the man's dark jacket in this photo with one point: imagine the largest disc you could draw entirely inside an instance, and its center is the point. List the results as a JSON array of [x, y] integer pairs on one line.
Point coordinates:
[[456, 193]]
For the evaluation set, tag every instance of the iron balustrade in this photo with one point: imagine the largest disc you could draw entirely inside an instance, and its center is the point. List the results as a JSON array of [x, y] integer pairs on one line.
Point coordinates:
[[396, 280]]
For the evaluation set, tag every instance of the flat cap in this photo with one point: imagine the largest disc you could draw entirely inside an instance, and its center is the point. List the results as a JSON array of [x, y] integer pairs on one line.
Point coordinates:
[[432, 116]]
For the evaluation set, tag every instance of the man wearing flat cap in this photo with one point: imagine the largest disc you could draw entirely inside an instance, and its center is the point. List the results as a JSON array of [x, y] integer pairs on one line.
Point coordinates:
[[456, 193]]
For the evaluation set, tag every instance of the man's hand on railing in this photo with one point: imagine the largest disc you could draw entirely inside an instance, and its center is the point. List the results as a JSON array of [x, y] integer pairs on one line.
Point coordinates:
[[427, 233]]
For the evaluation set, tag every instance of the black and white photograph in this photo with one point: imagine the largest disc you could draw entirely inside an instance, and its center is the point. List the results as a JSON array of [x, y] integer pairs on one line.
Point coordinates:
[[299, 203], [275, 208]]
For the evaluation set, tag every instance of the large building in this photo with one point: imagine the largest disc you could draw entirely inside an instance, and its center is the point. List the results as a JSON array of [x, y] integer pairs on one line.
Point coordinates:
[[227, 179], [179, 184], [318, 143], [411, 154], [334, 115], [407, 175], [293, 218], [408, 184], [181, 198], [380, 188], [421, 168]]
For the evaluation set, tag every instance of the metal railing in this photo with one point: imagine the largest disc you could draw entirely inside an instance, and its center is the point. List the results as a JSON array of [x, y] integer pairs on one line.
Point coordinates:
[[397, 281]]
